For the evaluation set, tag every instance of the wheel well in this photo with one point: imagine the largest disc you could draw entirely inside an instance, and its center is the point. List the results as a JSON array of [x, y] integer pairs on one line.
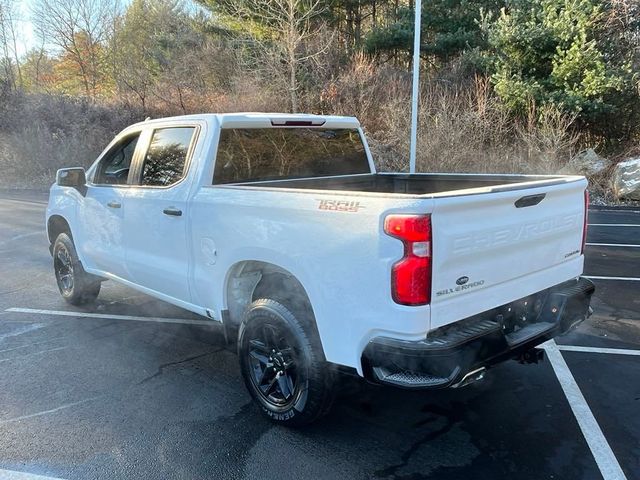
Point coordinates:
[[57, 225], [252, 280]]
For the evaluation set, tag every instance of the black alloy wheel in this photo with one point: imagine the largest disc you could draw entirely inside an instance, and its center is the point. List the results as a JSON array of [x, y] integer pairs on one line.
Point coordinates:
[[282, 364], [63, 265], [272, 357]]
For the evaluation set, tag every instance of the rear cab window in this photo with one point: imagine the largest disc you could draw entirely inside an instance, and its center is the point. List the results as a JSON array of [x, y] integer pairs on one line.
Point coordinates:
[[165, 162], [258, 154]]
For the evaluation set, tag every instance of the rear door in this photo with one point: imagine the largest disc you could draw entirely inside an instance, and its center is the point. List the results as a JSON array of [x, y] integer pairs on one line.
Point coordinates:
[[157, 253], [492, 248]]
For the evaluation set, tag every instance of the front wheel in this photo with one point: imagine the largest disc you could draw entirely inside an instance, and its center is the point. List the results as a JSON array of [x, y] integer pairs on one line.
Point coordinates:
[[76, 286], [281, 365]]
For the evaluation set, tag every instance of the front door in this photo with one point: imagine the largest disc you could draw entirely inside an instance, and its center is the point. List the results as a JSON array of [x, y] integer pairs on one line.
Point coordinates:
[[102, 213]]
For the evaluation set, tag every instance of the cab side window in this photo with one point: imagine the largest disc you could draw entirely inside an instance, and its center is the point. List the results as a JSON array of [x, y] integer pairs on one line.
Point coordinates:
[[165, 161], [114, 167]]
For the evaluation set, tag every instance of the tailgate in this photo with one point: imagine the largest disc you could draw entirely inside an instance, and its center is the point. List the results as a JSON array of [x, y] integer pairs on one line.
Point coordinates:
[[487, 251]]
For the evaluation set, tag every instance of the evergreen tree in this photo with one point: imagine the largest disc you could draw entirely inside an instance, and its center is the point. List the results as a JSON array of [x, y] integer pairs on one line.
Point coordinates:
[[558, 52], [449, 27]]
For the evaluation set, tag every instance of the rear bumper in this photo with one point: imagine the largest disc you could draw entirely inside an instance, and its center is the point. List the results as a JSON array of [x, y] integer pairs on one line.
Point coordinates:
[[449, 354]]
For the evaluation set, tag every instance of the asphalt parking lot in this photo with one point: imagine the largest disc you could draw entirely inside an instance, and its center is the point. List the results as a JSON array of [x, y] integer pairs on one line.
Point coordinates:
[[110, 392]]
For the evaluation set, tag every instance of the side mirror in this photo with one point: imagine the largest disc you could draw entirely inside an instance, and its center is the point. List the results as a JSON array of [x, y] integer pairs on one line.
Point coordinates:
[[74, 178]]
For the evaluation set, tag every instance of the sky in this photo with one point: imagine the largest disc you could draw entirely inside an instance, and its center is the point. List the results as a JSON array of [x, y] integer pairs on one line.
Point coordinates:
[[26, 33]]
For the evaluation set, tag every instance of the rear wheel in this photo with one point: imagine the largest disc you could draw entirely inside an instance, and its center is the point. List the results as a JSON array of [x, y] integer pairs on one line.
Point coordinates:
[[282, 369], [76, 285]]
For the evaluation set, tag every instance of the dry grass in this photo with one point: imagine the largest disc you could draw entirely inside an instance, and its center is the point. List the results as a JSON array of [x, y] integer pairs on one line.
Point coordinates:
[[462, 125], [41, 133]]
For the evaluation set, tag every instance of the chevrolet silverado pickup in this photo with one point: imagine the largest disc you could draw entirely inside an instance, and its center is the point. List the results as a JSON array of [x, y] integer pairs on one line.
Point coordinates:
[[279, 229]]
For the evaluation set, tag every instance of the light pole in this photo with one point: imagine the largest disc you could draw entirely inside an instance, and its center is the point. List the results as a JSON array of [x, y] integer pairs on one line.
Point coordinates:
[[416, 84]]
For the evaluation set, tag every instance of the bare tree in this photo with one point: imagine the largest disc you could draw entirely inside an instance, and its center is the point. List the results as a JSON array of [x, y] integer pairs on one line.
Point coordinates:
[[292, 23], [79, 28], [156, 52], [9, 42]]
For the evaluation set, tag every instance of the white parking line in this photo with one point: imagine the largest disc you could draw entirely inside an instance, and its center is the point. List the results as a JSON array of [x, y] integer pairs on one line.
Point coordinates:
[[612, 351], [105, 316], [613, 224], [629, 279], [622, 245], [14, 475], [600, 449]]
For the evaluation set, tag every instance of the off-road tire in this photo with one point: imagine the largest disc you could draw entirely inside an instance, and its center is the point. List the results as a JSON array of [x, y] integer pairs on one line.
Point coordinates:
[[311, 377]]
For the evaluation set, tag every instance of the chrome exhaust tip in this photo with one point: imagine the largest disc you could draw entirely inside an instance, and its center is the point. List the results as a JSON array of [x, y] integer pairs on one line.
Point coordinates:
[[471, 377]]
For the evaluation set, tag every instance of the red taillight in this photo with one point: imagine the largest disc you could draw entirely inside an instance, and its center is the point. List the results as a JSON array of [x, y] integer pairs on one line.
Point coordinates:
[[411, 275], [586, 214]]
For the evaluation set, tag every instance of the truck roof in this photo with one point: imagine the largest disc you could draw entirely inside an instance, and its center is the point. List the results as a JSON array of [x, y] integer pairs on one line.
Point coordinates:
[[264, 120]]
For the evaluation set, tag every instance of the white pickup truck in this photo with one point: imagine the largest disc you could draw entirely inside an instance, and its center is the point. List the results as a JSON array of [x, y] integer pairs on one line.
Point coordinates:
[[278, 228]]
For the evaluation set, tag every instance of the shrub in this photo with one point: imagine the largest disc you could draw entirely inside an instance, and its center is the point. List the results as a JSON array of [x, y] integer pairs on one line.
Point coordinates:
[[40, 133], [561, 53]]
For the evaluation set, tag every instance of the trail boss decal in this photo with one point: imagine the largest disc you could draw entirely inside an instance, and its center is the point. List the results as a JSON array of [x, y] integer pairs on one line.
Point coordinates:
[[339, 205], [462, 285]]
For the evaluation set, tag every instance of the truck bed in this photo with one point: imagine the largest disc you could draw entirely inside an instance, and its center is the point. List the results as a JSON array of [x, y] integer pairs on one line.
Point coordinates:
[[410, 184]]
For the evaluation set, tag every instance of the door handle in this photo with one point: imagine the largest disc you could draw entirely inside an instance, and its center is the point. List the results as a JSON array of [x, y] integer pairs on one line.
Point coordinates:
[[113, 204], [174, 212]]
